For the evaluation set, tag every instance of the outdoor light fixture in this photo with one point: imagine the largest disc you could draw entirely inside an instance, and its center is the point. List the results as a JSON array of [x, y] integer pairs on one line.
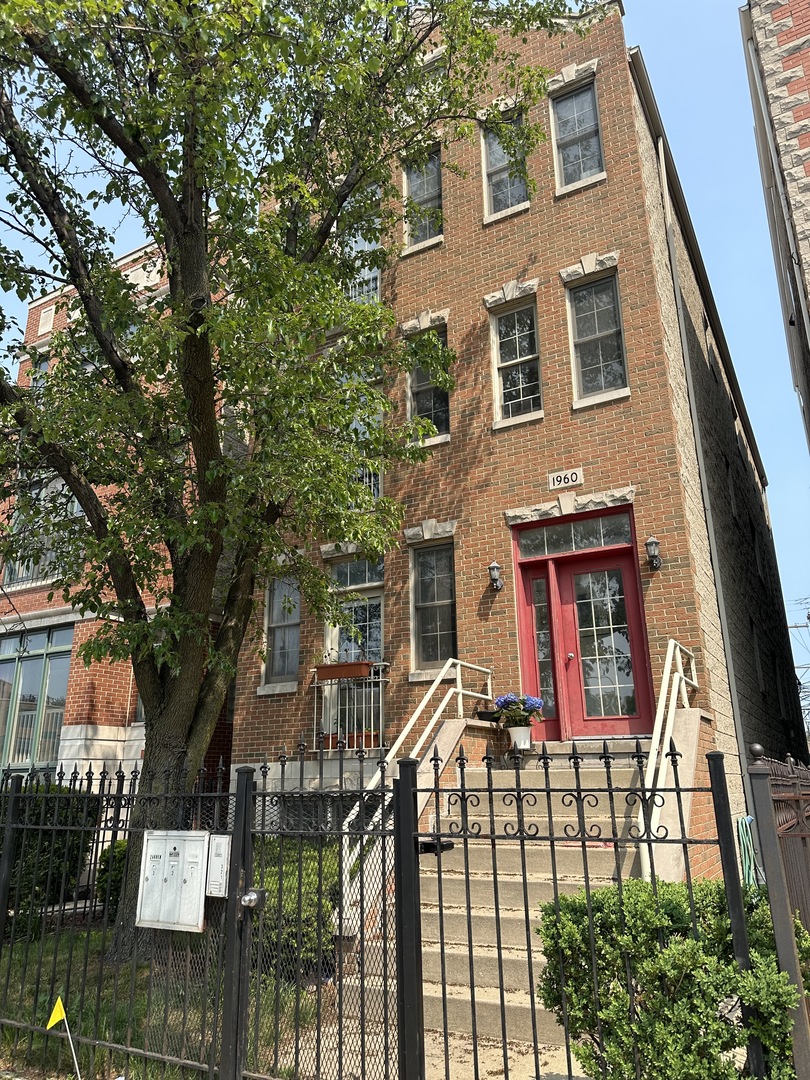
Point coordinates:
[[495, 576], [653, 557]]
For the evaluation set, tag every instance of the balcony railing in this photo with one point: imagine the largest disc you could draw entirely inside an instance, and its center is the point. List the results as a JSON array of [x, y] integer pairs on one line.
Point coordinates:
[[349, 709]]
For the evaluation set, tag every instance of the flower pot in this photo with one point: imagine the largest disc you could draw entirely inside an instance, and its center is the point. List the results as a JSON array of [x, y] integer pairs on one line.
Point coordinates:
[[348, 669], [521, 737], [487, 715]]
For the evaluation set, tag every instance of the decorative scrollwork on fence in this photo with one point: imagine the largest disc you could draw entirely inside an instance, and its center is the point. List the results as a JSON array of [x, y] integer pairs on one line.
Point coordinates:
[[464, 800], [647, 800]]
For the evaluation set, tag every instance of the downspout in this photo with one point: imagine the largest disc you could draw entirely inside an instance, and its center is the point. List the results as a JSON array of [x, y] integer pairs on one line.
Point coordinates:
[[704, 487]]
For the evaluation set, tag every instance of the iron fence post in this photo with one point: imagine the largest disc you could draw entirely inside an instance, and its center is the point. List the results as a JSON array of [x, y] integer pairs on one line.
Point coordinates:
[[237, 934], [9, 849], [779, 901], [734, 895], [410, 1006]]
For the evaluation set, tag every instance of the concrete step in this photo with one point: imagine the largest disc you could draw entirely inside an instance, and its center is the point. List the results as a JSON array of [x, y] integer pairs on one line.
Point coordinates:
[[561, 775], [512, 971], [476, 858], [374, 1002], [479, 930], [482, 893]]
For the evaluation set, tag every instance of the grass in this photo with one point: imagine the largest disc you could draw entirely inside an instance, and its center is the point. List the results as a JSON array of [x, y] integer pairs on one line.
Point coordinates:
[[160, 1010]]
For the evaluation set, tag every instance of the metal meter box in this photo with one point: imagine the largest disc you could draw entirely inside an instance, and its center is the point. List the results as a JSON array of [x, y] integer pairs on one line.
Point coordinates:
[[171, 893]]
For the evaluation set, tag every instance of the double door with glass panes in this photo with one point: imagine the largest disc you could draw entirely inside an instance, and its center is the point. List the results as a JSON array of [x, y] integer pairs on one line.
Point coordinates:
[[583, 646], [34, 670]]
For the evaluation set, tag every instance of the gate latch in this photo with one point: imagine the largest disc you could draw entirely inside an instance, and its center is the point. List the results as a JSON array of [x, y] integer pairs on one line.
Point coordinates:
[[433, 847], [253, 899]]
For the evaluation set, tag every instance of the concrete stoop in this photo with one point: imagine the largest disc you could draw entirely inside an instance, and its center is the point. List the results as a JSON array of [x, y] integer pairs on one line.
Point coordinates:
[[476, 934]]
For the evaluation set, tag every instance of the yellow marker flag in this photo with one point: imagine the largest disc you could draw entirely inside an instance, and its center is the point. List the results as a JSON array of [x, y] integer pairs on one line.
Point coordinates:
[[57, 1014]]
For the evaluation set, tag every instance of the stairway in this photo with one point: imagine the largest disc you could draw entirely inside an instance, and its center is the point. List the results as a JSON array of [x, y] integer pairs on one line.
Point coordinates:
[[469, 937]]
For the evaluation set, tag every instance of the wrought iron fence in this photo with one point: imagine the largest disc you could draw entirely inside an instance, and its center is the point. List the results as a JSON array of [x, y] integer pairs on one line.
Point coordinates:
[[467, 919]]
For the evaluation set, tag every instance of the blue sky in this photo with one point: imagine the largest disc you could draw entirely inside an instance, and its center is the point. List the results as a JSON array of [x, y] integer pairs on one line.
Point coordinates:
[[694, 54]]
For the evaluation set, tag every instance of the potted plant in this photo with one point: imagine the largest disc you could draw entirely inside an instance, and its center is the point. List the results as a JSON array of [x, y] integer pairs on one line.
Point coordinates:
[[515, 712]]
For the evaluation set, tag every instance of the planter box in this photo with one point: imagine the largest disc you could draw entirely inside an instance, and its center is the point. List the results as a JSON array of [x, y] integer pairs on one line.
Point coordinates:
[[487, 715], [349, 669]]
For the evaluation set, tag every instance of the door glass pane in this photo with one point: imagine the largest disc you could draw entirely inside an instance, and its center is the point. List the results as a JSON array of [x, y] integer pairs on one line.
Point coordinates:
[[542, 635], [27, 705], [604, 643], [55, 695]]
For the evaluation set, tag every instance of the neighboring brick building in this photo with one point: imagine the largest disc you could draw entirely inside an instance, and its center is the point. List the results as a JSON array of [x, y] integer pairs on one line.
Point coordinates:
[[595, 406], [776, 37]]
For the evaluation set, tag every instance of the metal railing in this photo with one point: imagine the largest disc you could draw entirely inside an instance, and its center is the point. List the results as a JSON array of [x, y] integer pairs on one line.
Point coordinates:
[[350, 888], [675, 686], [350, 711]]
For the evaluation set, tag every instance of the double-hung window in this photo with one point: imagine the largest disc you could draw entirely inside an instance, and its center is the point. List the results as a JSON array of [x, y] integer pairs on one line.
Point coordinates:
[[518, 363], [434, 605], [506, 187], [428, 400], [283, 632], [598, 341], [423, 185], [579, 146]]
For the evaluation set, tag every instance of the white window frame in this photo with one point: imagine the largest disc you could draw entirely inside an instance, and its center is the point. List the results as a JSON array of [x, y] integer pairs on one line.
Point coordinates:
[[426, 673], [431, 241], [573, 88], [516, 208], [580, 400], [278, 684], [443, 436], [499, 420]]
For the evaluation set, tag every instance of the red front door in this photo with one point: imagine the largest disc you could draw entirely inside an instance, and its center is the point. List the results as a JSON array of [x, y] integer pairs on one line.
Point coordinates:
[[582, 645]]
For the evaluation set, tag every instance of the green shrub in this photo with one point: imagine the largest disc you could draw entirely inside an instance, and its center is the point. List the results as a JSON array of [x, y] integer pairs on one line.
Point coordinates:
[[112, 864], [295, 931], [664, 993], [56, 830]]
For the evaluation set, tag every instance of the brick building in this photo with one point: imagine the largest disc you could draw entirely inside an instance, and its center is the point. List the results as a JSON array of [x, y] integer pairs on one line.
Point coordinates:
[[590, 356], [776, 38], [595, 408]]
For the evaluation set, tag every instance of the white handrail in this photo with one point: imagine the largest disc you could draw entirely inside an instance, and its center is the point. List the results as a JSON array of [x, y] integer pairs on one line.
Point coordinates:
[[674, 685], [459, 692]]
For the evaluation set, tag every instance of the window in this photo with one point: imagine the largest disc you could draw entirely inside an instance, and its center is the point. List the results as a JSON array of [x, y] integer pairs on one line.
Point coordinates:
[[598, 343], [283, 631], [34, 669], [353, 708], [37, 566], [423, 188], [518, 364], [505, 187], [428, 400], [434, 605], [581, 627], [579, 149]]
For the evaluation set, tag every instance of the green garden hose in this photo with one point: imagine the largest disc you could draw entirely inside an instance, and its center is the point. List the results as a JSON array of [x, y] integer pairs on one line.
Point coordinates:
[[753, 874]]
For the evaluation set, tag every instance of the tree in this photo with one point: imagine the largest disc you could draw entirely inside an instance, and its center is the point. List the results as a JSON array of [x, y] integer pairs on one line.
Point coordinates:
[[187, 442]]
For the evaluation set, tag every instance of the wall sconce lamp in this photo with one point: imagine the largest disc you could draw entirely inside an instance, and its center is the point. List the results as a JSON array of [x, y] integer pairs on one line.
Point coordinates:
[[495, 579], [653, 557]]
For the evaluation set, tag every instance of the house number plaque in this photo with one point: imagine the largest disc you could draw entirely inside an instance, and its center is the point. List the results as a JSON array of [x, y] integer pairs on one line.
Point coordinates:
[[565, 478]]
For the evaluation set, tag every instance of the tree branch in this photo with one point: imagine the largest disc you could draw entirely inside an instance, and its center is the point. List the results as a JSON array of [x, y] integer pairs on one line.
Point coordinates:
[[134, 149]]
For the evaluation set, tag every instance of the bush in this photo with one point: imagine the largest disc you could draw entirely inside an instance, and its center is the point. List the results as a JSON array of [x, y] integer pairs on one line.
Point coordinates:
[[112, 864], [295, 931], [663, 993], [57, 827]]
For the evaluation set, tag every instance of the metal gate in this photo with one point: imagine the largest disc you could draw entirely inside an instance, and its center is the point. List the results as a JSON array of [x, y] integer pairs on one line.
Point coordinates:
[[371, 930]]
